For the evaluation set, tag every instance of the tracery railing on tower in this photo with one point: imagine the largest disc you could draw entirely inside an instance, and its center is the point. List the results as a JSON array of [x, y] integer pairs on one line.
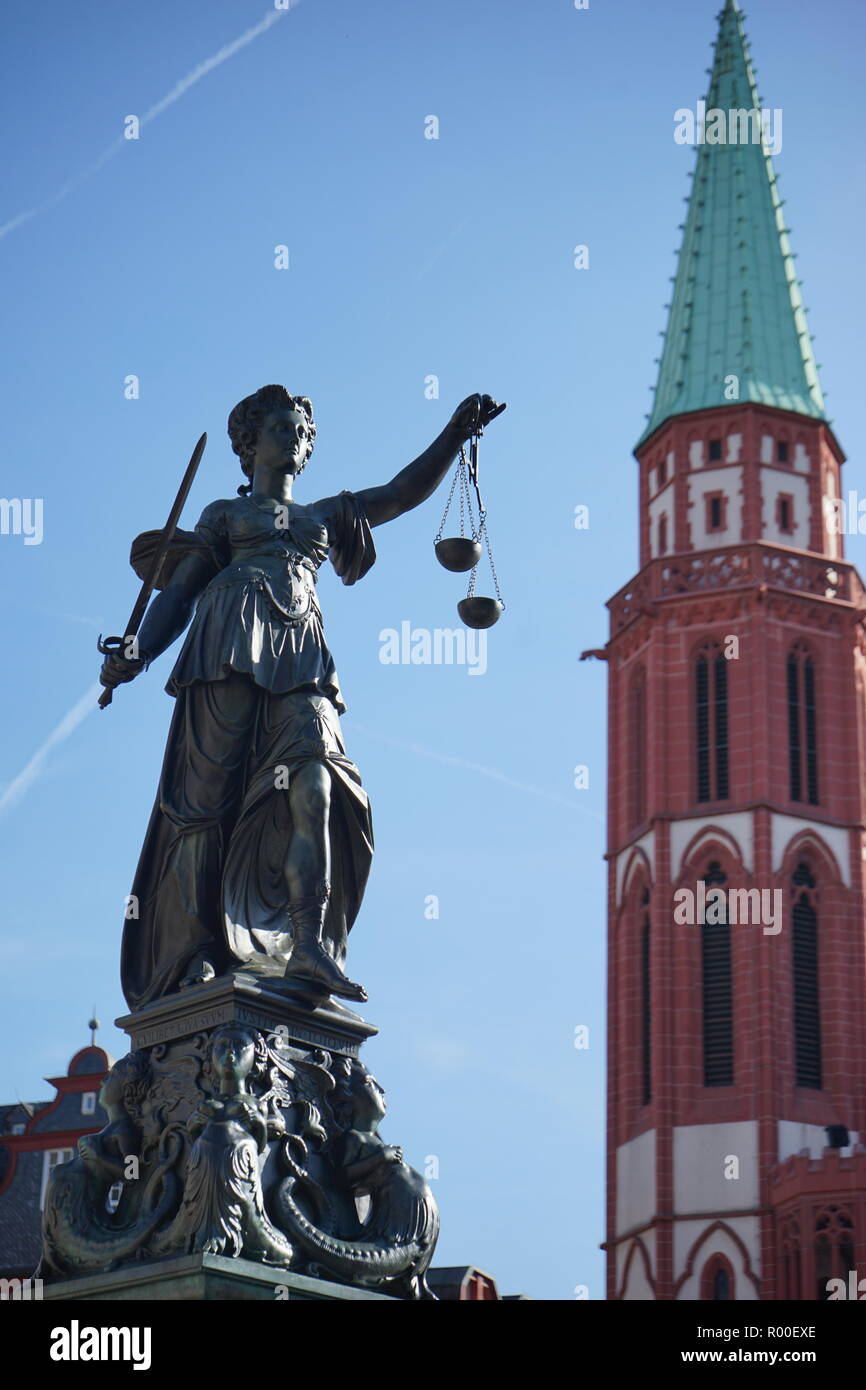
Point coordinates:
[[732, 567]]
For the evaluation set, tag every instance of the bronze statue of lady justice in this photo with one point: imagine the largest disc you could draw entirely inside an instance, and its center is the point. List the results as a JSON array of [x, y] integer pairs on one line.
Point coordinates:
[[259, 845]]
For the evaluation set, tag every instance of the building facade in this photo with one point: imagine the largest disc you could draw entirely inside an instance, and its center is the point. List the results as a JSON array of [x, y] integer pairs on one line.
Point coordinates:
[[737, 731], [34, 1138]]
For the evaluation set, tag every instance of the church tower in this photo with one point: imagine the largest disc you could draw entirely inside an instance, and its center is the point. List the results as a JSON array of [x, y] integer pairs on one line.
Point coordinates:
[[736, 1164]]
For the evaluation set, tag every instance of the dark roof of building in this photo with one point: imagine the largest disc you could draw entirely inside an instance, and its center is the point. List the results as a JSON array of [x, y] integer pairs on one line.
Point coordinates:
[[20, 1217], [19, 1113]]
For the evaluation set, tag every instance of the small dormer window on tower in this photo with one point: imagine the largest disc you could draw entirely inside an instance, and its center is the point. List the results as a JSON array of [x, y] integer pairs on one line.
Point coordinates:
[[715, 450], [781, 451], [785, 513], [716, 504]]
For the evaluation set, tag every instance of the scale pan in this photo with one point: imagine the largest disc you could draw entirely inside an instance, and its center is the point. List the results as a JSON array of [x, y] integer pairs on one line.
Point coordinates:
[[458, 554], [480, 612]]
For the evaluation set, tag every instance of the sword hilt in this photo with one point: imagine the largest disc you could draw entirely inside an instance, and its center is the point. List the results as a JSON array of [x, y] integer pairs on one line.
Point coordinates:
[[108, 646]]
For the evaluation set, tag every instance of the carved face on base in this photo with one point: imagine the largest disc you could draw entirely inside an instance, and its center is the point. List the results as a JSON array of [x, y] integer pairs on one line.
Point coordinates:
[[124, 1085], [232, 1054], [370, 1103]]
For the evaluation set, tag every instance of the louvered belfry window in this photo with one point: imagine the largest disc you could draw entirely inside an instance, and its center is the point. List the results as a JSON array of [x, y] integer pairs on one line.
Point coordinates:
[[645, 1007], [807, 1004], [802, 726], [711, 723], [717, 993]]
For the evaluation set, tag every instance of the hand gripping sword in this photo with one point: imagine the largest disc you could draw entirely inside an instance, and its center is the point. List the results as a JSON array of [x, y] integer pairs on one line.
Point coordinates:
[[114, 645]]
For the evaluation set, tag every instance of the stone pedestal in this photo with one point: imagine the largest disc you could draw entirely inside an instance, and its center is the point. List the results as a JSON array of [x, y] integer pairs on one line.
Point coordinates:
[[251, 1003], [200, 1278], [241, 1160]]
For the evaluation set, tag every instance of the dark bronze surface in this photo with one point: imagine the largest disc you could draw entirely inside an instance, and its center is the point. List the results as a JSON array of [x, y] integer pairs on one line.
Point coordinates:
[[114, 645], [259, 845], [255, 1144], [243, 1124], [480, 612], [458, 553]]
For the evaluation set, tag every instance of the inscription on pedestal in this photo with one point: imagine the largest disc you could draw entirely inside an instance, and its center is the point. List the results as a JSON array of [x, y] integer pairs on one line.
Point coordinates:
[[229, 1013]]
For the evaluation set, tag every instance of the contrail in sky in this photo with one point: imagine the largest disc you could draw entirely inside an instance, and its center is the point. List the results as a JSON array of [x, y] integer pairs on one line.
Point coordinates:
[[68, 724], [180, 88], [479, 768]]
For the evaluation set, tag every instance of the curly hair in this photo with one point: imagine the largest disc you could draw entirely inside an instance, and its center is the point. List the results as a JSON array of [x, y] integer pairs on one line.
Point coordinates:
[[246, 420]]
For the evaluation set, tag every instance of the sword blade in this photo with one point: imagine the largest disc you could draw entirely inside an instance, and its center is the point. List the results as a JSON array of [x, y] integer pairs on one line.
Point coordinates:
[[147, 588], [140, 606]]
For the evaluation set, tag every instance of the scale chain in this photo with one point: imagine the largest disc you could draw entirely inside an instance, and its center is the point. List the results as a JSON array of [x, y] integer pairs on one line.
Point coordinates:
[[441, 531], [483, 534]]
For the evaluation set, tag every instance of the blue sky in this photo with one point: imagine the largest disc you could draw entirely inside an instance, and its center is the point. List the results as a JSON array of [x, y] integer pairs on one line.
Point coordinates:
[[409, 258]]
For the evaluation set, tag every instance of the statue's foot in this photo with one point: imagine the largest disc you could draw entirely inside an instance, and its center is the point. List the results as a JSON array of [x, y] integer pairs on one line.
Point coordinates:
[[313, 996], [200, 971], [313, 965]]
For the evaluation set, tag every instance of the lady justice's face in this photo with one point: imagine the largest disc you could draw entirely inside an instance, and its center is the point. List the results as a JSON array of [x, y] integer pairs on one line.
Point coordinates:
[[283, 442]]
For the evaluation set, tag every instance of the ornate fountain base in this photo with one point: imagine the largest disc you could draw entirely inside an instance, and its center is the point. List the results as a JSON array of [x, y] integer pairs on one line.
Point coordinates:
[[241, 1160]]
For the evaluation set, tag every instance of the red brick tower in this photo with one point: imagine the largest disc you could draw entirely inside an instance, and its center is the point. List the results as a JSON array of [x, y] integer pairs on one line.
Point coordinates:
[[737, 709]]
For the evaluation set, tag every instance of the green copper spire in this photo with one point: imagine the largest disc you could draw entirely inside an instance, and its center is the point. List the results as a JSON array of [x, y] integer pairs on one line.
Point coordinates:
[[736, 309]]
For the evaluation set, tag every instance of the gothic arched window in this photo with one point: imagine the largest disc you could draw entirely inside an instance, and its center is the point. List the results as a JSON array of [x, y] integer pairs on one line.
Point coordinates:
[[717, 990], [802, 726], [717, 1280], [807, 1010], [711, 723]]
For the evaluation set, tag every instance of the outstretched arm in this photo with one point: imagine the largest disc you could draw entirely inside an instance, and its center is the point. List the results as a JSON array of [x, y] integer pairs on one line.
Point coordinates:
[[420, 478]]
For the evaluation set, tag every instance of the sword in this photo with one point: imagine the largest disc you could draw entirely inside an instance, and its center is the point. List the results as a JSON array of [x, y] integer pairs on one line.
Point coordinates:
[[113, 645]]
